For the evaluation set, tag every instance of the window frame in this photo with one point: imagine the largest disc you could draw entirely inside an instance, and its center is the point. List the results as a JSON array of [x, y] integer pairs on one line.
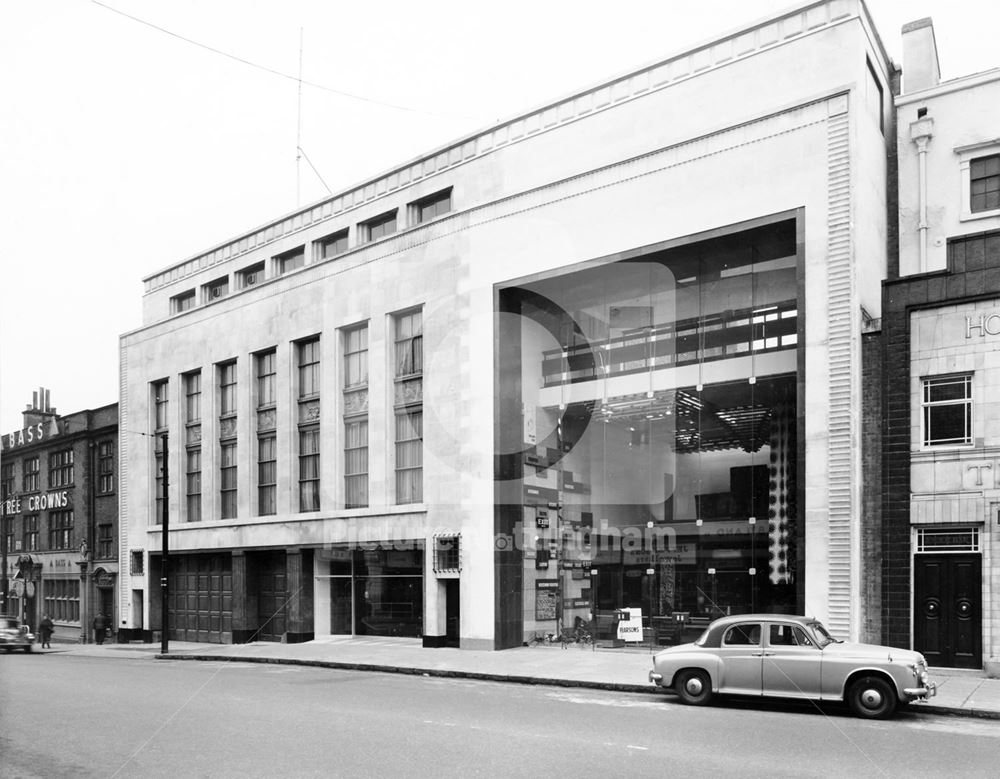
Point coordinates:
[[251, 276], [29, 533], [373, 229], [31, 473], [216, 290], [61, 529], [428, 208], [987, 178], [333, 240], [290, 260], [183, 301], [927, 406], [105, 467], [966, 156]]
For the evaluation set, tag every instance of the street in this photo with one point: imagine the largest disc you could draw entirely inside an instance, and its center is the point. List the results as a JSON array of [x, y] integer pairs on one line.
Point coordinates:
[[65, 715]]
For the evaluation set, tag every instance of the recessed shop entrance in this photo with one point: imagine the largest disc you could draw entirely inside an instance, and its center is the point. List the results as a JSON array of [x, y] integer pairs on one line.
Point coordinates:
[[947, 599], [377, 592]]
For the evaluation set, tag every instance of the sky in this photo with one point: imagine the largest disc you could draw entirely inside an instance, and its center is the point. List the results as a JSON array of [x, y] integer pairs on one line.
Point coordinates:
[[128, 144]]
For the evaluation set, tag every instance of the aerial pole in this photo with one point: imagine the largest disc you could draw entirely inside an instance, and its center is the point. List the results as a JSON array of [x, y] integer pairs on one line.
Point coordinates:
[[298, 133]]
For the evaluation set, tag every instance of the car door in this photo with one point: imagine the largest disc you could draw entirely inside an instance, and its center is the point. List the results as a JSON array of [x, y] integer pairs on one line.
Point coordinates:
[[792, 663], [742, 655]]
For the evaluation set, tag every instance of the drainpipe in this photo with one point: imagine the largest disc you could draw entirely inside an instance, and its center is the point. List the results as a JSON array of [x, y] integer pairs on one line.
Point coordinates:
[[921, 132]]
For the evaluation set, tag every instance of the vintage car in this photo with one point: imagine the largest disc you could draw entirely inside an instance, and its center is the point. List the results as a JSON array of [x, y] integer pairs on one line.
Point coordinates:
[[791, 657], [14, 635]]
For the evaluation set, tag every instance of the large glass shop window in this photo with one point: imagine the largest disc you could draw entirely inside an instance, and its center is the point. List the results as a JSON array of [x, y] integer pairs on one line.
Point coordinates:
[[655, 432]]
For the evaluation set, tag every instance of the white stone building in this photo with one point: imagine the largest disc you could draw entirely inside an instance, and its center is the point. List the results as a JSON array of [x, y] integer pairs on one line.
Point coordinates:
[[604, 354]]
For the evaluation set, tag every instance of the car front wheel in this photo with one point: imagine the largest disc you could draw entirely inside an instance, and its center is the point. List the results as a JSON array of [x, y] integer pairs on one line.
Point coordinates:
[[872, 697], [693, 687]]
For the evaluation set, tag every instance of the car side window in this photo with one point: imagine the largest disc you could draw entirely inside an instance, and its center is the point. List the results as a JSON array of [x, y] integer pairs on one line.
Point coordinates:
[[742, 635], [788, 635]]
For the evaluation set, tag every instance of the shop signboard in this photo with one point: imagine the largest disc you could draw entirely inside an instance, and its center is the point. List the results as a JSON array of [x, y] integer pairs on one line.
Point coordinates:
[[630, 624]]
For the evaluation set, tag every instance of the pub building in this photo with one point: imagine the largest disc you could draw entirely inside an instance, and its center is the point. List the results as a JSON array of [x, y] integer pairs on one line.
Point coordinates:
[[939, 343], [604, 354], [58, 477]]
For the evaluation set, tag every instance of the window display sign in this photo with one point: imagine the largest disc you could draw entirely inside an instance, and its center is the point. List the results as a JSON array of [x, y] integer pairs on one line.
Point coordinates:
[[630, 624], [546, 595]]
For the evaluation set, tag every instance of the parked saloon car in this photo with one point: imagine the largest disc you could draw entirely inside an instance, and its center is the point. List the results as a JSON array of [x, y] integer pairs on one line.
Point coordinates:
[[14, 635], [791, 657]]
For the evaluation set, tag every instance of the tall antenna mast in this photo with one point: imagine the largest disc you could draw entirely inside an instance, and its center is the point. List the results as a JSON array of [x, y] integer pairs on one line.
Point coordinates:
[[298, 133]]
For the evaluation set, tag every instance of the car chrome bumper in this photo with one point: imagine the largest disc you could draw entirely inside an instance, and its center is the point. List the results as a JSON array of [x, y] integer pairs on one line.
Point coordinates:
[[927, 691], [655, 678]]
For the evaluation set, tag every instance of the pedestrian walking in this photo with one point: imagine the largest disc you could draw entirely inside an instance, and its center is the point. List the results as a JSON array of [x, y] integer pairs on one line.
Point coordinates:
[[45, 631], [100, 627]]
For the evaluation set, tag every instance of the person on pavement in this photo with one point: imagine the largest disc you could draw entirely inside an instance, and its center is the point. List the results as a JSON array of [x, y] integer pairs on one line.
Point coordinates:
[[45, 631], [100, 627]]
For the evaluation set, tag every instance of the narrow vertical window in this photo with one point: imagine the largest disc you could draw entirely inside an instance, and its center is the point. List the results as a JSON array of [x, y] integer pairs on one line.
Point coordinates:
[[106, 467], [227, 440], [309, 419], [409, 407], [160, 430], [30, 534], [267, 447], [6, 480], [192, 442], [29, 480], [356, 417]]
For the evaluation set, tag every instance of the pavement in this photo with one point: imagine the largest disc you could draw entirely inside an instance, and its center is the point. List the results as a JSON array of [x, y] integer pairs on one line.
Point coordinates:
[[960, 692]]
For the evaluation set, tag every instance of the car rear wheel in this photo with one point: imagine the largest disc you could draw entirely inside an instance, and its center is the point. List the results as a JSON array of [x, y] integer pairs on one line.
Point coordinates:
[[872, 697], [693, 687]]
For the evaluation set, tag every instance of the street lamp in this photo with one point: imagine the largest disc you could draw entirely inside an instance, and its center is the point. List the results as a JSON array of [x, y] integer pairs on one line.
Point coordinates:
[[82, 562]]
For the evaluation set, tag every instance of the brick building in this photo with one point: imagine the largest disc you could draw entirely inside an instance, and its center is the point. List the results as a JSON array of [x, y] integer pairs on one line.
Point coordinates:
[[58, 477]]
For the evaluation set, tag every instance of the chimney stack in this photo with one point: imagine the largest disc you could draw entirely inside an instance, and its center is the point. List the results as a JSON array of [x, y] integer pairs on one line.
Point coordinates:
[[40, 408], [920, 57]]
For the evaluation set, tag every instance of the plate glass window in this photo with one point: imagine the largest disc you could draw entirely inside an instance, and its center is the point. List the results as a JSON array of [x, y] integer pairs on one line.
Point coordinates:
[[380, 226], [333, 245], [433, 206], [947, 411], [984, 174]]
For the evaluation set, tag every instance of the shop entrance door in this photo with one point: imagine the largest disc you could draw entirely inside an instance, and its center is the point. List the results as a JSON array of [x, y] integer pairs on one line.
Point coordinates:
[[271, 597], [947, 609], [451, 612], [341, 609]]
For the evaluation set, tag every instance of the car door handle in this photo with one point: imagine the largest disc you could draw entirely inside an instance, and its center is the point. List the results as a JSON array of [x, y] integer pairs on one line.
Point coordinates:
[[762, 654]]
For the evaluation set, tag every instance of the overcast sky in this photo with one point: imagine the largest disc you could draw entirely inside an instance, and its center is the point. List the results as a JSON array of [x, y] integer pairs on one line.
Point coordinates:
[[125, 148]]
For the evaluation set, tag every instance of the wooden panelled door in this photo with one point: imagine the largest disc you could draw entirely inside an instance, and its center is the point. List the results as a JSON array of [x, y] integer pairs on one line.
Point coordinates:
[[947, 609]]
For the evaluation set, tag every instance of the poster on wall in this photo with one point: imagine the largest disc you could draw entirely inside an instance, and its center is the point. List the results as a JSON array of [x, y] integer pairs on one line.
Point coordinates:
[[546, 596]]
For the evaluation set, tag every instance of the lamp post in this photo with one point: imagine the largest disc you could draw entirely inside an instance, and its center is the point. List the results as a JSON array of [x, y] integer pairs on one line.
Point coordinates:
[[165, 555], [651, 573], [83, 562]]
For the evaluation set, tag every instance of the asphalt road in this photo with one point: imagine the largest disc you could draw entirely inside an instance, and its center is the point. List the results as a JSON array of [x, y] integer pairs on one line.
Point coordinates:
[[63, 715]]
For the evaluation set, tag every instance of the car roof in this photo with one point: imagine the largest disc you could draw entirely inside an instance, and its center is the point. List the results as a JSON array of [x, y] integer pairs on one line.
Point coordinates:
[[719, 626]]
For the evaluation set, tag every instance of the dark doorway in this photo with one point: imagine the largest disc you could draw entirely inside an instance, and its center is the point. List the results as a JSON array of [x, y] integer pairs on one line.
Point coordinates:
[[452, 628], [947, 609], [271, 597], [340, 606]]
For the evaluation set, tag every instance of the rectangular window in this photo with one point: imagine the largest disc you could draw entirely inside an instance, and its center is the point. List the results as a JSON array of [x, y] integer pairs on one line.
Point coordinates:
[[192, 484], [160, 405], [308, 368], [984, 174], [249, 277], [947, 411], [182, 302], [432, 206], [30, 477], [105, 542], [8, 531], [332, 245], [192, 397], [227, 389], [356, 357], [136, 563], [291, 260], [30, 533], [106, 467], [409, 456], [309, 469], [409, 344], [267, 475], [60, 530], [948, 539], [227, 489], [356, 462], [61, 468], [192, 441], [266, 372], [62, 600], [379, 227], [6, 480], [216, 289], [446, 554]]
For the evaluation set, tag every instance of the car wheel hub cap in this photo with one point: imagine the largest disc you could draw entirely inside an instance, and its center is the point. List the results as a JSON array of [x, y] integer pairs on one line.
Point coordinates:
[[872, 699], [693, 686]]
